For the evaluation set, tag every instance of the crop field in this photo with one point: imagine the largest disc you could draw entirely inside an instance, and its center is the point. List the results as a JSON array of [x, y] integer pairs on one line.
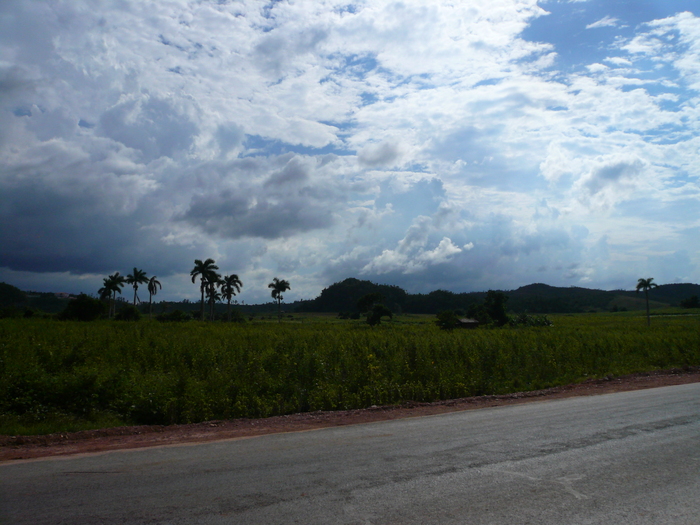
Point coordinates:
[[63, 376]]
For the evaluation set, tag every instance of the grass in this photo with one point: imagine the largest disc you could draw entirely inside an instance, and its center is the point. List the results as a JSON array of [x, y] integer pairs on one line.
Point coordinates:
[[65, 376]]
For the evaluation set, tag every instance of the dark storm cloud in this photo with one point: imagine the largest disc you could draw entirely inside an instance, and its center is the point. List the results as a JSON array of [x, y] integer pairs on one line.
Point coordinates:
[[233, 217], [291, 200], [80, 229], [294, 172]]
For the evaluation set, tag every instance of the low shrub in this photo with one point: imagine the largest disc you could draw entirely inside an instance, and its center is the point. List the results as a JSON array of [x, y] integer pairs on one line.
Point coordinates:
[[83, 308], [128, 313], [177, 316]]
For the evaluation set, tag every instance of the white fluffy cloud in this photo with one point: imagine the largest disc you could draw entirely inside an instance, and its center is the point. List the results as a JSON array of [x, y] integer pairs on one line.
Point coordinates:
[[426, 144], [606, 21]]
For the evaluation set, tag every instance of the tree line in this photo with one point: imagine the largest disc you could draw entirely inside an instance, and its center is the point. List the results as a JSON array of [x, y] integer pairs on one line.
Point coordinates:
[[213, 288]]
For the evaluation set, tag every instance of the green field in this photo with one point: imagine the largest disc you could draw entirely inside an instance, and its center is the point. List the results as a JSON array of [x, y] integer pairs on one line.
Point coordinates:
[[64, 376]]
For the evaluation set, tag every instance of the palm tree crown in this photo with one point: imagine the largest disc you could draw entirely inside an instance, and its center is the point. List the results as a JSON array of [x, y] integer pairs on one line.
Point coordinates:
[[206, 271], [278, 286], [111, 286], [136, 278], [153, 285], [230, 286]]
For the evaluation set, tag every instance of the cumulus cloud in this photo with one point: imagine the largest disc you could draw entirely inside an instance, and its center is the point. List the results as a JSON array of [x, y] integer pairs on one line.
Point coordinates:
[[411, 254], [432, 144], [381, 154], [609, 180], [412, 261], [295, 197]]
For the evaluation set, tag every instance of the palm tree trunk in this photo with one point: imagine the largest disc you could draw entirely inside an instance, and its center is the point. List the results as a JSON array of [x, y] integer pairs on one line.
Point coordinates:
[[201, 309], [150, 305], [228, 311], [279, 310], [646, 294]]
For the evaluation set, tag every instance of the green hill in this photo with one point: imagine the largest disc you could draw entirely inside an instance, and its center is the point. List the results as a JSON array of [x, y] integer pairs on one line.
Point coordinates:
[[535, 298], [11, 296]]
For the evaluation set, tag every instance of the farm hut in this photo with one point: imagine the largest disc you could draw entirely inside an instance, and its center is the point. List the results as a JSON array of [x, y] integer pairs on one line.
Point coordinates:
[[468, 323]]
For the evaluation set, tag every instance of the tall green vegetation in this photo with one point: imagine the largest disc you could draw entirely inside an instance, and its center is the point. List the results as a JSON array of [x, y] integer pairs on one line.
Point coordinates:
[[153, 373], [646, 285]]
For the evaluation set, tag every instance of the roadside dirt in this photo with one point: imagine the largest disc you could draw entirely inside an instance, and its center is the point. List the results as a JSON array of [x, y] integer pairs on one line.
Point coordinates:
[[89, 441]]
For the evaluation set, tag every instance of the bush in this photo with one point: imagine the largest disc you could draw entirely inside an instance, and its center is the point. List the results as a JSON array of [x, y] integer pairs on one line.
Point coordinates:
[[177, 316], [691, 302], [374, 317], [10, 312], [447, 320], [83, 308], [128, 313], [237, 316]]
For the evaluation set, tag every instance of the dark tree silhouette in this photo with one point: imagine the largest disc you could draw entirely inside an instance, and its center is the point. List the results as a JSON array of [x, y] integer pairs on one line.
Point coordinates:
[[111, 286], [374, 316], [153, 285], [646, 285], [213, 294], [367, 301], [134, 279], [495, 305], [230, 286], [278, 286], [204, 270]]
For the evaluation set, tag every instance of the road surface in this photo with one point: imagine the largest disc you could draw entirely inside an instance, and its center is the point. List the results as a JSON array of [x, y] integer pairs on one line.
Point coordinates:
[[631, 458]]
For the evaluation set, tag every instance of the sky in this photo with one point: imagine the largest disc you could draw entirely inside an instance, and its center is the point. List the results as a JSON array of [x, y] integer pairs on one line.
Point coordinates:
[[458, 145]]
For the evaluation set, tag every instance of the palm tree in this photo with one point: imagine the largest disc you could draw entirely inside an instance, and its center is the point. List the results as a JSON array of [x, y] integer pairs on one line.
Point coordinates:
[[111, 285], [205, 270], [136, 278], [213, 294], [106, 293], [153, 285], [230, 286], [279, 286], [646, 285]]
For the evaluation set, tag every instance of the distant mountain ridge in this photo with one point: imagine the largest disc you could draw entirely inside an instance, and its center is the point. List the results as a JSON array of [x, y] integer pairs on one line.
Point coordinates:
[[534, 298]]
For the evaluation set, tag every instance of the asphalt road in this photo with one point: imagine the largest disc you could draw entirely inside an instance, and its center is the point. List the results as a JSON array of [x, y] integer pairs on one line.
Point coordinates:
[[628, 458]]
